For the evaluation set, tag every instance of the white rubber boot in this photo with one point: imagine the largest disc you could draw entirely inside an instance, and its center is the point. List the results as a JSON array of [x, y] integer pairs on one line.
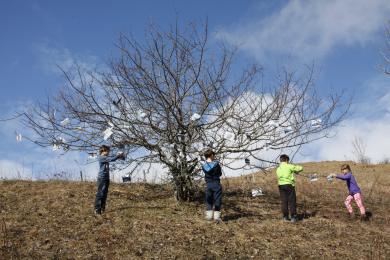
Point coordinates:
[[209, 215], [217, 216]]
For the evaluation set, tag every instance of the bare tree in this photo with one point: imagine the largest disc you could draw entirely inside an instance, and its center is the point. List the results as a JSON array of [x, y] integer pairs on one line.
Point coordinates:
[[166, 99], [359, 150]]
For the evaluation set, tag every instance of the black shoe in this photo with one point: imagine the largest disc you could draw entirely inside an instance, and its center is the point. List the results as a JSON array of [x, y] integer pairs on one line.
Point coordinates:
[[98, 212], [364, 217], [286, 219], [294, 219]]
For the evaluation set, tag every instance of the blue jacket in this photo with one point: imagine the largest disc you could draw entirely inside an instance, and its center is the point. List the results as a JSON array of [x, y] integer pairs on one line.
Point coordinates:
[[104, 165], [212, 171]]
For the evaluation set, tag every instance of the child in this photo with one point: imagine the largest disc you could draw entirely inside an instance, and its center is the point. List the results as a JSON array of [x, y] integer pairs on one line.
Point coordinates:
[[212, 171], [354, 191], [103, 180], [286, 181]]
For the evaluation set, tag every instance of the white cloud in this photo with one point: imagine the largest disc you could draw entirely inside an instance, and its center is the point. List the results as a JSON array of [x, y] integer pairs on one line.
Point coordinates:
[[310, 29], [51, 59], [370, 122]]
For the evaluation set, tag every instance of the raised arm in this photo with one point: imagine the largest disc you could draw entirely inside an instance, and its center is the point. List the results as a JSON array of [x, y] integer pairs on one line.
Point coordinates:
[[344, 176], [110, 158], [296, 168]]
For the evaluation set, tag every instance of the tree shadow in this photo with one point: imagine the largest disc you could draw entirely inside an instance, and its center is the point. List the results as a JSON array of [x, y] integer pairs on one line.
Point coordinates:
[[133, 207], [306, 215]]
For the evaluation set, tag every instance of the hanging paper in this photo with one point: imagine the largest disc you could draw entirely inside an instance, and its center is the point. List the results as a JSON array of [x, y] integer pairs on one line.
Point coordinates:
[[65, 122]]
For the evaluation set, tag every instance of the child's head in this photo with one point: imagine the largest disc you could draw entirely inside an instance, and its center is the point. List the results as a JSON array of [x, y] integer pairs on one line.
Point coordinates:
[[345, 168], [284, 158], [104, 150], [209, 154]]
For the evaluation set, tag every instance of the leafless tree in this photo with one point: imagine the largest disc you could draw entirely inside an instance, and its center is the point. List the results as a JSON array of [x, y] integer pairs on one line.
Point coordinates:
[[166, 99], [359, 150]]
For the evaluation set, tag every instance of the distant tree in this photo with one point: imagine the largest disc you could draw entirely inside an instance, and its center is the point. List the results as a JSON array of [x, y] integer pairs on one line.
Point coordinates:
[[164, 100], [359, 150]]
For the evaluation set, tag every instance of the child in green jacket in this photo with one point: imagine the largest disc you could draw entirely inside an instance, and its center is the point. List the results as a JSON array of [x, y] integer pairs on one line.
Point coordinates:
[[286, 181]]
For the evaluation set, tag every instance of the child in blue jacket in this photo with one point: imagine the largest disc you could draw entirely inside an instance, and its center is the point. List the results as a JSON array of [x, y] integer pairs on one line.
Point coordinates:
[[103, 180], [212, 173]]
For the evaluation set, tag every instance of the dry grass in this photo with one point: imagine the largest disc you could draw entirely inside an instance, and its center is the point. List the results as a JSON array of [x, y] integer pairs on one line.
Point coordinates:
[[54, 220]]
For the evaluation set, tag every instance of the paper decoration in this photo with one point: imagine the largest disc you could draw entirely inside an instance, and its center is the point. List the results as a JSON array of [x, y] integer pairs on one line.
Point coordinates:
[[55, 147], [257, 192], [18, 137], [316, 123], [313, 177], [141, 115], [195, 117], [273, 123], [65, 122], [228, 136], [107, 133], [247, 161]]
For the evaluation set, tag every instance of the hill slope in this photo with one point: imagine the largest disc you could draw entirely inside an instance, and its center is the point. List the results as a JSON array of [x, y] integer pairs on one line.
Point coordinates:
[[41, 220]]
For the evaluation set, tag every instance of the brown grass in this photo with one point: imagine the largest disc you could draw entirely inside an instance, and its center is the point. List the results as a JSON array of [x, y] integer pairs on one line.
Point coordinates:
[[54, 220]]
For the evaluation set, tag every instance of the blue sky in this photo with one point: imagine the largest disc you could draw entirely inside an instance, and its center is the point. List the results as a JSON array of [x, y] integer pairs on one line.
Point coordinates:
[[343, 38]]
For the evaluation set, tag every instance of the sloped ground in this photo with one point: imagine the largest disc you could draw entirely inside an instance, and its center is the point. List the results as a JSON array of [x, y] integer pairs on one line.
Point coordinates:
[[54, 220]]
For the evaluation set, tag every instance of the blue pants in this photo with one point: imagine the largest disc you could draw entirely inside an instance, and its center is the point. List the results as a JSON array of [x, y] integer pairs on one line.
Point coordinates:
[[213, 196], [101, 194]]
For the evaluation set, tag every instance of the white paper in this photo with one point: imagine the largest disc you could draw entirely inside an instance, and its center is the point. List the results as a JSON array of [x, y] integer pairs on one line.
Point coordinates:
[[107, 133], [65, 122], [273, 123], [56, 147], [257, 192], [195, 117], [141, 115], [313, 177], [316, 123], [228, 136]]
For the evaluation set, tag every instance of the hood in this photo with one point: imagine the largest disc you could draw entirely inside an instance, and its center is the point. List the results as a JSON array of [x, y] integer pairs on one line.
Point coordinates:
[[209, 166]]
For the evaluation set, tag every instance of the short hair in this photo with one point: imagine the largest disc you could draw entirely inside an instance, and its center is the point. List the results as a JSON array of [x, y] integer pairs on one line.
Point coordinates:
[[104, 148], [208, 153], [345, 167], [284, 158]]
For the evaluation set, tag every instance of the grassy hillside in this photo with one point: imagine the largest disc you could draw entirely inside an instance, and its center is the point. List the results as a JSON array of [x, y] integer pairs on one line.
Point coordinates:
[[54, 220]]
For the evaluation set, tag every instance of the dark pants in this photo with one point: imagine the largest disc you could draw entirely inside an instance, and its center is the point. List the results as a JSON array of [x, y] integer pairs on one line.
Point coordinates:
[[213, 196], [101, 194], [288, 199]]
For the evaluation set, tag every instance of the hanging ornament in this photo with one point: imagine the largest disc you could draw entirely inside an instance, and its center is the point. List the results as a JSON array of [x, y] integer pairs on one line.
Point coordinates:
[[65, 122], [195, 117], [18, 137]]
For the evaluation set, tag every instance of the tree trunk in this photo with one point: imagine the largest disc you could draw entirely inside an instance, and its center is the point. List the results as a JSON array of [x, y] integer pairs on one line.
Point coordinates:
[[184, 186]]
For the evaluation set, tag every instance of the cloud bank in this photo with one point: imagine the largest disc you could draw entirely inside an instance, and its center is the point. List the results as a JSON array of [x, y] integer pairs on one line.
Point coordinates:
[[310, 29]]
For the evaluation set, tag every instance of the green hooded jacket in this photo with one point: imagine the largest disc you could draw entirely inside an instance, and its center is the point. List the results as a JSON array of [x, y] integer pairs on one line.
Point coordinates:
[[285, 173]]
